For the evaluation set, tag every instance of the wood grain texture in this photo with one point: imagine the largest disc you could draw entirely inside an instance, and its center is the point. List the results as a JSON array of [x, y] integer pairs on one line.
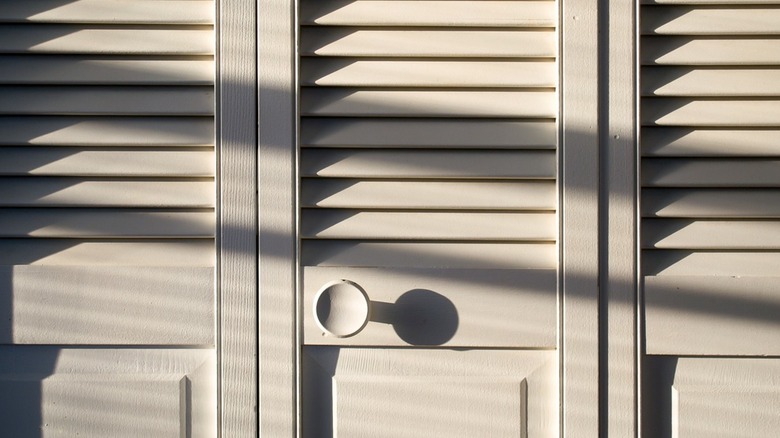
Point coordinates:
[[76, 305], [579, 337], [430, 13], [237, 252]]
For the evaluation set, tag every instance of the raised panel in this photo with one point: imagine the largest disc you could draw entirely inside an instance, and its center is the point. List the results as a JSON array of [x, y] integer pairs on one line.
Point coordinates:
[[424, 393], [452, 307]]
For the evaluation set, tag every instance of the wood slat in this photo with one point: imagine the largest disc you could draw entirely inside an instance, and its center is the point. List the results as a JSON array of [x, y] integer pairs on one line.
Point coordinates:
[[429, 43], [680, 142], [79, 252], [410, 73], [74, 39], [105, 223], [348, 163], [695, 315], [346, 224], [710, 234], [710, 21], [441, 133], [724, 203], [79, 192], [710, 173], [80, 305], [712, 51], [80, 70], [727, 113], [675, 81], [350, 102], [429, 195], [429, 13], [78, 100], [107, 131], [429, 255], [108, 11], [711, 263], [86, 162], [709, 2], [499, 307]]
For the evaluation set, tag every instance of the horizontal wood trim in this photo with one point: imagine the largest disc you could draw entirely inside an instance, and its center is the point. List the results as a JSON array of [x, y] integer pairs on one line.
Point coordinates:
[[687, 142], [73, 39], [347, 224], [346, 163], [326, 41], [429, 254], [80, 252], [710, 21], [430, 13], [714, 82], [705, 315], [81, 192], [368, 103], [513, 307], [81, 70], [82, 100], [428, 73], [105, 223], [429, 133], [711, 203], [17, 161], [429, 195], [727, 113], [78, 305], [106, 131], [710, 234], [709, 2], [108, 11], [659, 172], [709, 51], [711, 263]]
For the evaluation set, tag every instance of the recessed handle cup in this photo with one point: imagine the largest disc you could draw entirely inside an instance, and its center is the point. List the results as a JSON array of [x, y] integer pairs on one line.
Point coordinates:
[[341, 308]]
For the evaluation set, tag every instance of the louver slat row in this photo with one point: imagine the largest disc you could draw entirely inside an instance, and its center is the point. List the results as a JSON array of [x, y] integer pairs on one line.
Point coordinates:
[[710, 174], [428, 137], [107, 170]]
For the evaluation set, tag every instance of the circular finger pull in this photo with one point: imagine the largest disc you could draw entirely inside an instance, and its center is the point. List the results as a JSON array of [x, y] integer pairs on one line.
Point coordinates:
[[341, 308]]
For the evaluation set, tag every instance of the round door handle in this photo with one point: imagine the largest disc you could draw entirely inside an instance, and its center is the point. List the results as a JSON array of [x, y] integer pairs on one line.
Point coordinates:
[[341, 308]]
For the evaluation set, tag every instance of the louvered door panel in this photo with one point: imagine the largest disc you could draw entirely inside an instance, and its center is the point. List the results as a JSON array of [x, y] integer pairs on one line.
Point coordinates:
[[428, 136], [107, 221], [710, 228]]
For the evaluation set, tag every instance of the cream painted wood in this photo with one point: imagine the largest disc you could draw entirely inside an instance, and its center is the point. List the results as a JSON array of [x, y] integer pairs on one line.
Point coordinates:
[[453, 308], [416, 73], [687, 142], [708, 2], [106, 163], [81, 192], [80, 305], [716, 82], [706, 113], [714, 315], [426, 43], [711, 263], [711, 234], [711, 203], [431, 195], [107, 391], [710, 21], [106, 131], [23, 69], [377, 163], [117, 101], [701, 51], [710, 173], [73, 39], [713, 397], [423, 393], [430, 13], [429, 255], [110, 11], [82, 252], [428, 133]]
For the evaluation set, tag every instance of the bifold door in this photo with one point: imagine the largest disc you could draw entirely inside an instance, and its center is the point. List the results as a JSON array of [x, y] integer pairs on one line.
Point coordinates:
[[107, 218], [427, 175], [710, 175]]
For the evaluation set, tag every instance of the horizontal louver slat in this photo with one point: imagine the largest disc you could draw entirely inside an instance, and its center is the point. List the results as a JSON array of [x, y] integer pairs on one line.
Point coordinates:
[[429, 13], [710, 173], [710, 234], [689, 142], [686, 112], [711, 203], [710, 51], [710, 21], [711, 263], [109, 11], [715, 82]]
